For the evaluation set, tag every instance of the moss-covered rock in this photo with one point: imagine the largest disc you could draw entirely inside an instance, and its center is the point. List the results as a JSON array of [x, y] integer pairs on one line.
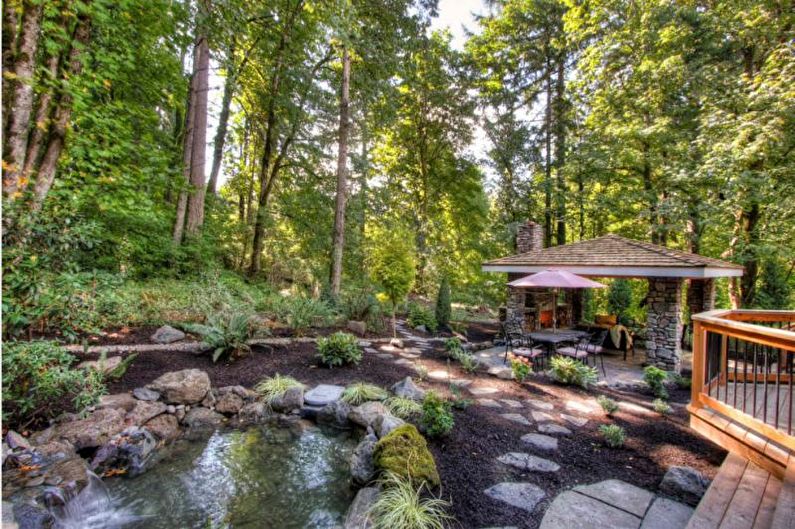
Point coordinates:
[[404, 452]]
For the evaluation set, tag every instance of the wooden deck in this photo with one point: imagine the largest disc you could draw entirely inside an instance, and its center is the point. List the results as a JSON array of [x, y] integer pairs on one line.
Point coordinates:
[[741, 397], [745, 496]]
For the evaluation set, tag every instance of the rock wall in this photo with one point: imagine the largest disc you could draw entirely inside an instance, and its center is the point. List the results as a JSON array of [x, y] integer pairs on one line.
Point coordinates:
[[664, 323], [700, 295]]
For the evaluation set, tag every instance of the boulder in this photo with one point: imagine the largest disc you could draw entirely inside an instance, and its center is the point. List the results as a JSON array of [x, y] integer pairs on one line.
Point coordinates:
[[290, 400], [362, 466], [358, 327], [384, 424], [95, 430], [358, 516], [182, 387], [404, 452], [366, 414], [408, 389], [335, 414], [209, 400], [56, 450], [15, 440], [143, 411], [31, 516], [229, 403], [323, 394], [145, 394], [123, 401], [127, 453], [201, 422], [396, 342], [165, 427], [167, 334], [253, 413], [684, 483], [69, 470], [240, 391], [103, 366]]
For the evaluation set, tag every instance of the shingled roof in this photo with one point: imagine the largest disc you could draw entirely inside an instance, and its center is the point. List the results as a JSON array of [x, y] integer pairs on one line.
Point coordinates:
[[612, 255]]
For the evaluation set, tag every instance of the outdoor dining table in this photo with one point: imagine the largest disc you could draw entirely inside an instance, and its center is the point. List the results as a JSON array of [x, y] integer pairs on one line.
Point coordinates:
[[552, 339]]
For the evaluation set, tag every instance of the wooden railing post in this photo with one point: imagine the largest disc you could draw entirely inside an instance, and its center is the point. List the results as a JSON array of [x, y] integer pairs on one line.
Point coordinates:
[[699, 359]]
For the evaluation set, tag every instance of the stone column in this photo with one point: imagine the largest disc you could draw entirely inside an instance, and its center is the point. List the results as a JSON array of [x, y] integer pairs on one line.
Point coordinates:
[[514, 303], [664, 323], [529, 238], [700, 295]]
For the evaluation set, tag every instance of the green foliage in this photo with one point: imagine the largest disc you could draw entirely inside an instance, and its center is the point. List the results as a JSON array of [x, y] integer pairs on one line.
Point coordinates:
[[401, 505], [339, 349], [225, 334], [274, 387], [456, 351], [359, 304], [619, 298], [117, 372], [775, 292], [300, 313], [520, 370], [37, 378], [422, 372], [419, 315], [437, 417], [404, 452], [457, 399], [608, 405], [680, 381], [403, 407], [361, 392], [570, 371], [443, 307], [661, 407], [451, 345], [613, 434], [654, 377]]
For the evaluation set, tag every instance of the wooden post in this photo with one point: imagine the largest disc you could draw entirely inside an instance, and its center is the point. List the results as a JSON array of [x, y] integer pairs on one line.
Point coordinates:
[[697, 381]]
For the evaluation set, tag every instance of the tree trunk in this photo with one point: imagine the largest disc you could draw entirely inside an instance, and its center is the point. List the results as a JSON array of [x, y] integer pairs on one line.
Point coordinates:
[[196, 199], [223, 121], [36, 141], [338, 243], [751, 217], [548, 161], [560, 149], [363, 191], [187, 157], [10, 28]]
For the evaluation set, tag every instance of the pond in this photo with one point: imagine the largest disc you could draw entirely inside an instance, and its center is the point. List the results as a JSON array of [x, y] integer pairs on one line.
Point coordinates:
[[269, 476]]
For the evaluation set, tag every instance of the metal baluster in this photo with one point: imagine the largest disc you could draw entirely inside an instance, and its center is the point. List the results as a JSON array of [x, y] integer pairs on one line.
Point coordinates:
[[778, 384], [745, 371], [736, 350], [765, 351], [791, 376], [753, 408], [709, 363]]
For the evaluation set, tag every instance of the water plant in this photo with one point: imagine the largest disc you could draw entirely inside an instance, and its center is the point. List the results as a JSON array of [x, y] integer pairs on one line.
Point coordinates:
[[570, 371], [614, 435], [361, 392], [401, 505], [437, 417], [339, 349], [274, 387]]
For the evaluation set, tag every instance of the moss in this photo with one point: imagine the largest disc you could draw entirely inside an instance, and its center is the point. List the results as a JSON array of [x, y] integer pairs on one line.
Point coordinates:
[[404, 452]]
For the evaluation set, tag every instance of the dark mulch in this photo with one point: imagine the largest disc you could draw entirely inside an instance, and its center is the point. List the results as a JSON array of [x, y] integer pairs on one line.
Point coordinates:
[[466, 457]]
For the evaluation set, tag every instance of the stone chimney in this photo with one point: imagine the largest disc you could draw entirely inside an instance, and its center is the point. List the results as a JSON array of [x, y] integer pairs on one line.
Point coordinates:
[[529, 237]]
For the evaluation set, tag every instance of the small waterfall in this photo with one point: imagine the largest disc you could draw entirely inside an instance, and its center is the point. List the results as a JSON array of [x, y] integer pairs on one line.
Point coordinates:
[[91, 508]]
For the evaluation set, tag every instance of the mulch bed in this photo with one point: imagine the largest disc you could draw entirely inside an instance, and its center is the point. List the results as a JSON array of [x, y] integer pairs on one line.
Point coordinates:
[[466, 458]]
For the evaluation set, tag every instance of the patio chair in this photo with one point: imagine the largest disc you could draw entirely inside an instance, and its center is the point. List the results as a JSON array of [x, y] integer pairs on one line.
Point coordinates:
[[579, 351], [518, 343], [595, 348]]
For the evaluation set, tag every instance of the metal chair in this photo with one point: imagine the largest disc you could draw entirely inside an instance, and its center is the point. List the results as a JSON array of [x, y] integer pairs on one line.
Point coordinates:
[[518, 343], [595, 348]]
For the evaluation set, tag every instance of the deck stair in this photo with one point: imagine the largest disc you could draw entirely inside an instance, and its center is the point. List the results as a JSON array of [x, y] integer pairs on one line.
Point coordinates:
[[746, 496]]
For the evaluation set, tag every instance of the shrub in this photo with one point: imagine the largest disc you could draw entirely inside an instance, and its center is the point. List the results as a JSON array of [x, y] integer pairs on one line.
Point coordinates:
[[661, 407], [392, 265], [274, 387], [339, 349], [300, 313], [451, 345], [614, 435], [437, 418], [403, 407], [468, 362], [404, 452], [654, 377], [520, 370], [419, 315], [619, 298], [570, 371], [443, 308], [225, 334], [361, 392], [422, 372], [680, 381], [359, 304], [37, 376], [608, 405], [458, 401], [402, 506]]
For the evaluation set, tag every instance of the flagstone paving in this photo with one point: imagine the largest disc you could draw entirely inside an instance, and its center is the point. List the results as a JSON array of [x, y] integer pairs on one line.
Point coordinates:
[[541, 416], [522, 495], [576, 421], [515, 417], [541, 441], [540, 404], [483, 390], [489, 403], [528, 462], [555, 429], [511, 403]]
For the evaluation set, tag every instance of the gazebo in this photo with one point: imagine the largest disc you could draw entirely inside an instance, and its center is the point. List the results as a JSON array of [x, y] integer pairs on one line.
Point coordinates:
[[613, 256]]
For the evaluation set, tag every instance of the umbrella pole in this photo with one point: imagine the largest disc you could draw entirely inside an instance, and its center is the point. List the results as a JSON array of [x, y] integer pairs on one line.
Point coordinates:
[[554, 310]]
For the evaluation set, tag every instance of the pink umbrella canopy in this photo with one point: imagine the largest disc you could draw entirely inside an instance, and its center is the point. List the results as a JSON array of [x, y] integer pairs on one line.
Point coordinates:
[[555, 279]]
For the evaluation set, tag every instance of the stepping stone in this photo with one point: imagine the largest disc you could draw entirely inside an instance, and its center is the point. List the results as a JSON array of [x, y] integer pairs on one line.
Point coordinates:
[[483, 390], [576, 421], [504, 373], [579, 407], [515, 417], [389, 349], [619, 494], [541, 416], [370, 350], [384, 356], [489, 403], [540, 441], [364, 343], [528, 462], [410, 356], [461, 382], [412, 350], [571, 510], [511, 403], [667, 514], [522, 495], [439, 374], [540, 404], [555, 429], [323, 394], [404, 362], [635, 408]]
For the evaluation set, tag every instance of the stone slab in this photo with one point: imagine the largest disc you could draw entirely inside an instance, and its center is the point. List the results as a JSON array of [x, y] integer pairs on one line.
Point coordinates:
[[489, 403], [541, 416], [515, 417], [540, 441], [438, 374], [576, 421], [384, 356], [528, 462], [511, 403], [554, 429], [323, 394], [522, 495], [581, 407], [620, 494], [667, 514], [540, 404], [572, 510], [404, 362], [483, 390]]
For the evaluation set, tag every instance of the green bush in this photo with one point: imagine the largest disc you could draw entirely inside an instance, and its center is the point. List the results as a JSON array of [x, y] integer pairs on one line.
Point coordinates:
[[437, 417], [38, 376], [570, 371], [619, 299], [359, 304], [608, 405], [339, 349], [520, 370], [451, 345], [661, 407], [680, 381], [614, 435], [443, 307], [361, 392], [654, 377], [403, 407], [401, 505], [300, 313], [404, 452], [225, 333], [274, 387], [419, 315]]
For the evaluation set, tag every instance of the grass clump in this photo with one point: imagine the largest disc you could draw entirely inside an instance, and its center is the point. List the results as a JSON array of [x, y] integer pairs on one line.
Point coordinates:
[[339, 349], [661, 407], [654, 377], [403, 407], [570, 371], [401, 505], [361, 392], [275, 387], [614, 435], [404, 453], [437, 417], [608, 405]]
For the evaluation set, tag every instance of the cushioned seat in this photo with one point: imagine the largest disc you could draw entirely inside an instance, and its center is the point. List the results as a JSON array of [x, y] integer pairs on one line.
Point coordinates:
[[594, 349], [526, 351], [572, 352]]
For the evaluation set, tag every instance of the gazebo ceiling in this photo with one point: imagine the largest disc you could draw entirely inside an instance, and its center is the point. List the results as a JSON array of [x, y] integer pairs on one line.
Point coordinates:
[[615, 256]]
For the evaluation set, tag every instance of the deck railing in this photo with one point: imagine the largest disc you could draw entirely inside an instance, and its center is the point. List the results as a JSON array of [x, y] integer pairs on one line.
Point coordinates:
[[744, 371]]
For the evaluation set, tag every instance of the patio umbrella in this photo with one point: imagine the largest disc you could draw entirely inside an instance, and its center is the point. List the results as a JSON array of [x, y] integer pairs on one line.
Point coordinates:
[[555, 279]]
